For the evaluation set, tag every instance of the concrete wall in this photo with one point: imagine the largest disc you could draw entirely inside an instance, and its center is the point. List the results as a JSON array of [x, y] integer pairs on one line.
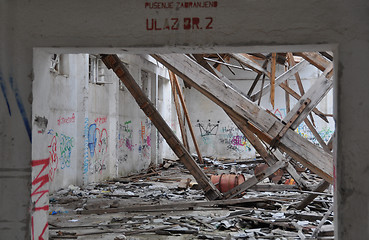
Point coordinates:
[[237, 26], [218, 136], [95, 131]]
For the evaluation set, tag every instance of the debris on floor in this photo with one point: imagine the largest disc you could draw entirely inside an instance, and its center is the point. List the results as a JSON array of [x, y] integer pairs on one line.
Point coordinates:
[[166, 203]]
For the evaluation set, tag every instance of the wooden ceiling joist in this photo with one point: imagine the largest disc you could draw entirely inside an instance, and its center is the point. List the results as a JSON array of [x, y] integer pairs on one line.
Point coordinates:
[[280, 79], [239, 107]]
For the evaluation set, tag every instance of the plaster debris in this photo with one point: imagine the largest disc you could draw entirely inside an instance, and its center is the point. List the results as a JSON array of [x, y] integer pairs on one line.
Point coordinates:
[[153, 206]]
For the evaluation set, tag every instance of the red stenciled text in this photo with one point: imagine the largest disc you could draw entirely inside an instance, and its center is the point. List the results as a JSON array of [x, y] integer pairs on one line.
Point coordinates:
[[187, 23]]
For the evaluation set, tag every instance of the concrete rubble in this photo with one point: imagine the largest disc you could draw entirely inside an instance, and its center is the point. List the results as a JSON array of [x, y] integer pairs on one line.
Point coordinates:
[[167, 203]]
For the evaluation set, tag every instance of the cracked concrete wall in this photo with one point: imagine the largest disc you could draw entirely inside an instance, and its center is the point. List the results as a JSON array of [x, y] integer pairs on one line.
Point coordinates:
[[236, 26]]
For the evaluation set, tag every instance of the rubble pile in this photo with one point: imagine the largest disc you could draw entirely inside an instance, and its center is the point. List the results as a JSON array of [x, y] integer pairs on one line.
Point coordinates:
[[166, 203]]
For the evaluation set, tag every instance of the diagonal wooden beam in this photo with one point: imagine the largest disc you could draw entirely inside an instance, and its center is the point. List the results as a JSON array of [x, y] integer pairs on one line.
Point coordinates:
[[291, 63], [179, 91], [114, 63], [239, 107], [244, 59], [316, 93], [280, 79], [272, 79], [297, 96], [320, 188], [178, 109], [315, 59], [255, 179], [267, 157]]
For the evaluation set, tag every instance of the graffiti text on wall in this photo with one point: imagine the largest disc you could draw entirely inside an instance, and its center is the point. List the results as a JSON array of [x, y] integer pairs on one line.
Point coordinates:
[[144, 148], [60, 150], [66, 120], [125, 136], [98, 146], [208, 129]]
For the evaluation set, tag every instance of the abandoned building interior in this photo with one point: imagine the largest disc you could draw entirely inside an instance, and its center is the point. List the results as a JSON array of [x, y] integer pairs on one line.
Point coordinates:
[[97, 134], [184, 119]]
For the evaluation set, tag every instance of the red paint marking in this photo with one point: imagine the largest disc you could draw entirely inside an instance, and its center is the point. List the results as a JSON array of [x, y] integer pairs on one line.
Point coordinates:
[[40, 179], [54, 160], [46, 208], [43, 230]]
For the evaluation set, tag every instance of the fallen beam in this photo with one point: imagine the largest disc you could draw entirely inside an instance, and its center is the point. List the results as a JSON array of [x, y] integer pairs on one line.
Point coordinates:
[[313, 157], [113, 62], [174, 206], [255, 179], [255, 142]]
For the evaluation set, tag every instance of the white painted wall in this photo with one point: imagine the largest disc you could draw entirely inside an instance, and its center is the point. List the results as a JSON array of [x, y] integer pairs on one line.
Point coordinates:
[[95, 132], [238, 26]]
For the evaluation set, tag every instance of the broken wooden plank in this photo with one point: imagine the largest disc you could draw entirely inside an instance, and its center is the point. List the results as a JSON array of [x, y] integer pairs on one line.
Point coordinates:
[[280, 79], [113, 62], [315, 59], [255, 179], [178, 110], [316, 93], [183, 205], [313, 157], [268, 158], [326, 215], [320, 188], [272, 79]]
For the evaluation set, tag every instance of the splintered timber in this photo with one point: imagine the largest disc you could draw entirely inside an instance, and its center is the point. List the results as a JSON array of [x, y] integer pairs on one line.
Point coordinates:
[[177, 5]]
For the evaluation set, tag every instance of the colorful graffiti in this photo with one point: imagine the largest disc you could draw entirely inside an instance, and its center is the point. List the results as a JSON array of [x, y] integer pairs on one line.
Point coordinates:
[[65, 146], [234, 140], [241, 141], [144, 148], [325, 133], [60, 150], [40, 198], [125, 136], [98, 147], [53, 156], [303, 130]]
